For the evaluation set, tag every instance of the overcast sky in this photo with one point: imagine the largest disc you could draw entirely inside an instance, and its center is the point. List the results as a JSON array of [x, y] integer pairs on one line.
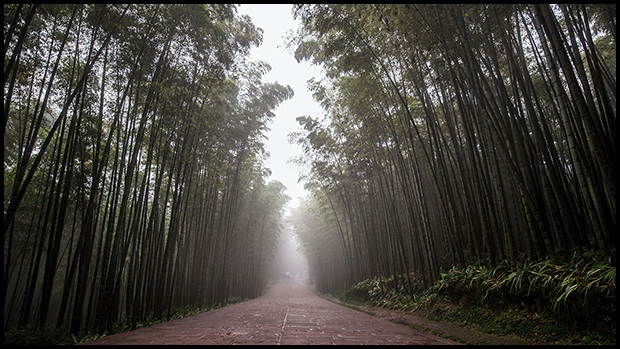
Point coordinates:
[[275, 20]]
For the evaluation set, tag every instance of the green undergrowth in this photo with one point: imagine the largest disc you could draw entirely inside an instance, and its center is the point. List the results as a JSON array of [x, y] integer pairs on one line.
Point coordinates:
[[50, 336], [571, 301]]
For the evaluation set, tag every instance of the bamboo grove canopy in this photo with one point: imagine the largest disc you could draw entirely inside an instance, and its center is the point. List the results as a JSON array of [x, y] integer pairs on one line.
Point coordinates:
[[133, 166], [456, 134]]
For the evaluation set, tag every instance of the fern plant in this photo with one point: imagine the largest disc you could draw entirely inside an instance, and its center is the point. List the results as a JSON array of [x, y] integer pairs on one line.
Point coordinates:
[[567, 288]]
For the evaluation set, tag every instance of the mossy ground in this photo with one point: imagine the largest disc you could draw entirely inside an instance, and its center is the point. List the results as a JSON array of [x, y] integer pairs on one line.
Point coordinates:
[[516, 320]]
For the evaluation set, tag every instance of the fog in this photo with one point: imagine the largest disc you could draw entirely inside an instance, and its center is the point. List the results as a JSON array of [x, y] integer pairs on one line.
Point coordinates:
[[288, 259]]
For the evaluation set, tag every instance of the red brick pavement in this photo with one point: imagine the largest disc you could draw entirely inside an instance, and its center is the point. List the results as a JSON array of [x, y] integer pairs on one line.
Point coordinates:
[[289, 313]]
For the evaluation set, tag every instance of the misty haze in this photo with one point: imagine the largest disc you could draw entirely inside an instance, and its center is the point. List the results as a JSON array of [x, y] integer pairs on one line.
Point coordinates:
[[309, 174]]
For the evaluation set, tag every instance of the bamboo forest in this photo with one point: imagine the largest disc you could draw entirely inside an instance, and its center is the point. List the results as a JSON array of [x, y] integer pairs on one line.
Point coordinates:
[[452, 138]]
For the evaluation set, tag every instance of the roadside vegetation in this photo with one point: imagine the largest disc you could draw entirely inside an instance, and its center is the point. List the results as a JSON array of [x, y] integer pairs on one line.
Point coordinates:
[[572, 301], [50, 336]]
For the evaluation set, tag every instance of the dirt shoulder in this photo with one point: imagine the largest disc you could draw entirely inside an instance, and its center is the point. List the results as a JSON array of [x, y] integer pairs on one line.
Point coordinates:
[[441, 329]]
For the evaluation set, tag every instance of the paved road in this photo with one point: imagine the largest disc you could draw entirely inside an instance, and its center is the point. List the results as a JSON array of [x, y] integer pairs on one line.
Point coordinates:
[[289, 313]]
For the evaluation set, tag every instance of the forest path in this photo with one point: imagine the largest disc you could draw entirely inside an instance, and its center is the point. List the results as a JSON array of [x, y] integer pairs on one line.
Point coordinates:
[[289, 313]]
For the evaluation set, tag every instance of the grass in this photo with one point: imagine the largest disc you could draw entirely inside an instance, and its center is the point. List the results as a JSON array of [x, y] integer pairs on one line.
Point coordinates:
[[572, 301], [513, 321]]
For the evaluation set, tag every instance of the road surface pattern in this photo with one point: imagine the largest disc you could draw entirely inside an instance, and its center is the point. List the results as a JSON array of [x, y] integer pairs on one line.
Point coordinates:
[[288, 314]]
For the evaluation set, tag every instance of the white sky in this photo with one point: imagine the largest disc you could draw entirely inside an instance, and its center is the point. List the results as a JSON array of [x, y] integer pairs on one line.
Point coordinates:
[[275, 20]]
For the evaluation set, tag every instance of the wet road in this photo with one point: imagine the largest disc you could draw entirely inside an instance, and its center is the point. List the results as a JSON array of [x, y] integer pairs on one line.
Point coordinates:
[[288, 314]]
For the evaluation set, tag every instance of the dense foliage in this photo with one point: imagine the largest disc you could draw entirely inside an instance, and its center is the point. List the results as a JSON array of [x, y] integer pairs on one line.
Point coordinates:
[[133, 163], [578, 293], [568, 289], [456, 135]]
